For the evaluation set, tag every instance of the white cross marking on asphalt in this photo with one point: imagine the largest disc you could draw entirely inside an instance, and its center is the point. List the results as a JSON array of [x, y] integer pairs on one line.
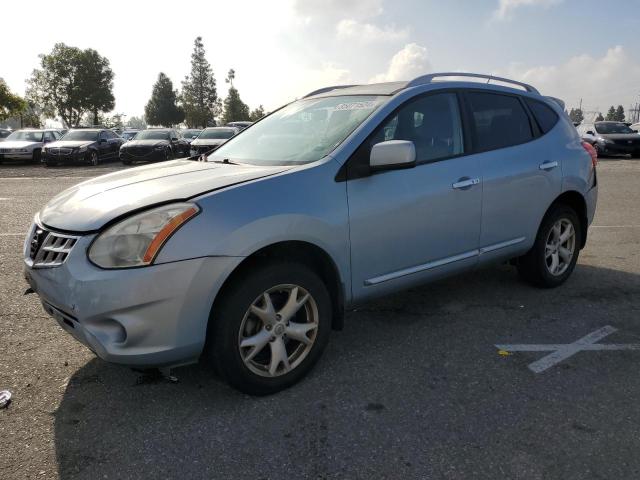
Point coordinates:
[[562, 351]]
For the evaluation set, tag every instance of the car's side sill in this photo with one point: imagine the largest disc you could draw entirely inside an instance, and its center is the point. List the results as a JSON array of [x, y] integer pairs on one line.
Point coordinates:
[[439, 263]]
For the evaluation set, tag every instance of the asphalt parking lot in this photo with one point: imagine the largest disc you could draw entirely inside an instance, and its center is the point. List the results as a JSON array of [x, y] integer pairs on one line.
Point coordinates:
[[413, 387]]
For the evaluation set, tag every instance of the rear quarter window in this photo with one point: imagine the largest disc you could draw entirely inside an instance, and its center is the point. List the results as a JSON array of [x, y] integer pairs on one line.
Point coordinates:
[[545, 117]]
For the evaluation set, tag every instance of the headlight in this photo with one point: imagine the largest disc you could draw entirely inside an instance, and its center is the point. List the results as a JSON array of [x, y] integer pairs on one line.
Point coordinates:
[[136, 241], [82, 149], [160, 147], [604, 140]]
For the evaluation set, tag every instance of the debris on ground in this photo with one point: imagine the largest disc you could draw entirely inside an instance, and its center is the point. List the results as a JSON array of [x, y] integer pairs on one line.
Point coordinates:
[[5, 398]]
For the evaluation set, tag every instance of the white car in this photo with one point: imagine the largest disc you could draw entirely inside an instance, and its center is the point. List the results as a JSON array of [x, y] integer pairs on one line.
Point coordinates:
[[27, 144], [635, 127]]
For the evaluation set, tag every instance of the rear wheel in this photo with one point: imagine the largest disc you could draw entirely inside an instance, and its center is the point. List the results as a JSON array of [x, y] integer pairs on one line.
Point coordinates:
[[270, 328], [555, 252]]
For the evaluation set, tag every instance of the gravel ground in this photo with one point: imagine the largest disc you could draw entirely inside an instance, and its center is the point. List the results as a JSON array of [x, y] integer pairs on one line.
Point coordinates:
[[412, 388]]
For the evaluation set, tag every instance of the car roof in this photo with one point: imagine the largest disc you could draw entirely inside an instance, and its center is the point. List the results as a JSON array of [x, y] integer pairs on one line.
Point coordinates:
[[391, 88], [227, 127]]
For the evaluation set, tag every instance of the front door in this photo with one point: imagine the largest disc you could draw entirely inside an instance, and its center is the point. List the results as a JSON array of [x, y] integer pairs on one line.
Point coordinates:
[[415, 224]]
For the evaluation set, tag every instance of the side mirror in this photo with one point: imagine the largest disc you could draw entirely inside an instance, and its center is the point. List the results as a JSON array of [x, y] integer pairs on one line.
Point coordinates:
[[392, 154], [590, 132]]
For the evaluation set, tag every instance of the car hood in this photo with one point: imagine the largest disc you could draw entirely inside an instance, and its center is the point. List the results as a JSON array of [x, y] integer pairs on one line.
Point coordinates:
[[69, 143], [620, 136], [208, 141], [19, 144], [90, 205], [146, 143]]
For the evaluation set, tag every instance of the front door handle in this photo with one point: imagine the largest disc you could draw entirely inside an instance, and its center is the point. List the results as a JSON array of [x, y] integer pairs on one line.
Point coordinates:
[[548, 165], [466, 183]]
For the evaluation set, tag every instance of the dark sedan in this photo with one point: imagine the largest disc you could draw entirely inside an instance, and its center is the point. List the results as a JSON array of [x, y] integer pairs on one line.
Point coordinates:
[[153, 145], [611, 138], [88, 145]]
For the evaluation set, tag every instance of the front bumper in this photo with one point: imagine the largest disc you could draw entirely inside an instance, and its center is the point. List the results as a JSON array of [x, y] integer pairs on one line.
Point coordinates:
[[619, 149], [16, 156], [149, 317], [64, 157], [142, 156]]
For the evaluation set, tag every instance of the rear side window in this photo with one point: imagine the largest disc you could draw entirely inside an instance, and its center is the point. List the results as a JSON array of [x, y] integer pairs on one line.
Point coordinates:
[[499, 120], [544, 115]]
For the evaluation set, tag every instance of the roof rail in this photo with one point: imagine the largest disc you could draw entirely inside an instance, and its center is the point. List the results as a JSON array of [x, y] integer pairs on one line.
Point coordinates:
[[424, 79], [328, 89]]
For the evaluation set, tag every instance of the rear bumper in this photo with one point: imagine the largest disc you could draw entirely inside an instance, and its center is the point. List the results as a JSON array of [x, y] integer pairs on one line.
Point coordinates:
[[151, 317]]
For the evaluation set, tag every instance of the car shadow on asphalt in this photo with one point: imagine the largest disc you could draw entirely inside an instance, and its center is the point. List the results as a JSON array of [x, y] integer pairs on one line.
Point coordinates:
[[411, 386]]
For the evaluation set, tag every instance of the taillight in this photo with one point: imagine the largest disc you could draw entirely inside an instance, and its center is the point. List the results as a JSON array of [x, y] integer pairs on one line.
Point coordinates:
[[592, 153]]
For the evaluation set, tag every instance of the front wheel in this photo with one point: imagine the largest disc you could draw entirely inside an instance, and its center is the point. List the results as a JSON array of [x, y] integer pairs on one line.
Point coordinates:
[[555, 252], [93, 158], [270, 327]]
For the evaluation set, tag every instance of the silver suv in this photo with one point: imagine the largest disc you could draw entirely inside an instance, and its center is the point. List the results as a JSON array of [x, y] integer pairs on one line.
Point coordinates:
[[250, 258]]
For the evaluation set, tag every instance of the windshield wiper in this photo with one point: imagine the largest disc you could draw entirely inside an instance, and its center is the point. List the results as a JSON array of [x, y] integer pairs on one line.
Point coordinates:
[[225, 161]]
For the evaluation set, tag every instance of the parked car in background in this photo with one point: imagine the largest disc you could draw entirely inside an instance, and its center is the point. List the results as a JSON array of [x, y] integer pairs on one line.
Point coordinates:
[[211, 138], [249, 258], [190, 134], [27, 144], [154, 144], [611, 138], [86, 145], [4, 133], [239, 125], [635, 127], [129, 134]]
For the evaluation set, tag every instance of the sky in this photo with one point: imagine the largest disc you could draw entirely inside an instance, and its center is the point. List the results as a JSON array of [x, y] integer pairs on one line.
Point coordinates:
[[282, 49]]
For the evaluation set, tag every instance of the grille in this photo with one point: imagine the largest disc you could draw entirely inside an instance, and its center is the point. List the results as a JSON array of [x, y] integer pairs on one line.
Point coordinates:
[[4, 150], [50, 249], [630, 143]]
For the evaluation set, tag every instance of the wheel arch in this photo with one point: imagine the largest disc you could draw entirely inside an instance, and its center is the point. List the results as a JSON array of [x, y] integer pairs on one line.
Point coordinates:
[[575, 200], [305, 253]]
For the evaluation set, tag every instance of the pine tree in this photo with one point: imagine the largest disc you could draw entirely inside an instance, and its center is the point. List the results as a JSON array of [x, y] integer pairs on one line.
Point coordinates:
[[199, 94], [611, 114], [619, 116], [235, 109], [162, 108], [257, 114], [599, 118]]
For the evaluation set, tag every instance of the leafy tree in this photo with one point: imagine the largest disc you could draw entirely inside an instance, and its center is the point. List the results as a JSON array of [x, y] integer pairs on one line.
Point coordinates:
[[619, 115], [611, 114], [71, 82], [98, 83], [576, 115], [11, 105], [599, 118], [162, 108], [234, 108], [199, 93], [137, 122], [257, 114]]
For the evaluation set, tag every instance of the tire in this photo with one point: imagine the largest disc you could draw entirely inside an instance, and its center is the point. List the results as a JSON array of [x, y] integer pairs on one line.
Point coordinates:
[[37, 156], [126, 162], [232, 322], [549, 252], [93, 158], [50, 163], [167, 155]]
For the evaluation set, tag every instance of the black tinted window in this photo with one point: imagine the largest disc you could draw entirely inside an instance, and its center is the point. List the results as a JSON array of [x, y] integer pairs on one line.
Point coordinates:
[[500, 121], [432, 123], [545, 116]]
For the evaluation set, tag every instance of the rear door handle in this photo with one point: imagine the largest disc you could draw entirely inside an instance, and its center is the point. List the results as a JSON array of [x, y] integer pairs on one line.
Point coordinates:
[[548, 165], [466, 183]]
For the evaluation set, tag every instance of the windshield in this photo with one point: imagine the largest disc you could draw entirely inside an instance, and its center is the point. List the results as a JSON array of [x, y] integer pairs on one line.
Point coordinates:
[[217, 133], [81, 135], [26, 136], [128, 135], [190, 133], [153, 135], [302, 132], [607, 128]]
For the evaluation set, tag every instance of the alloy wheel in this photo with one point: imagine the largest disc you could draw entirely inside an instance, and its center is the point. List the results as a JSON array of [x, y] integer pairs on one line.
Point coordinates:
[[278, 330], [560, 247], [93, 159]]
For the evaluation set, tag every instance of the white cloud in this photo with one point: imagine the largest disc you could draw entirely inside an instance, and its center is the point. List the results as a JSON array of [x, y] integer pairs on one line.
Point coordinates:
[[612, 79], [406, 64], [506, 7], [368, 33]]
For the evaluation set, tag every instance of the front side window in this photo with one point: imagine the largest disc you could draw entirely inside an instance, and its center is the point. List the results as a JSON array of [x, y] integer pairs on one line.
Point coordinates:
[[301, 132], [500, 121], [432, 123]]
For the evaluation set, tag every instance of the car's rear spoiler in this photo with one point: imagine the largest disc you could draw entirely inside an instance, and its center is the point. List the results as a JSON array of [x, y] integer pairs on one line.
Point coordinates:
[[558, 101]]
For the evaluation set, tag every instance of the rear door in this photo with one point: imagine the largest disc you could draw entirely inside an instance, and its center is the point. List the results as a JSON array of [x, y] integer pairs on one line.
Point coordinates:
[[521, 170], [414, 224]]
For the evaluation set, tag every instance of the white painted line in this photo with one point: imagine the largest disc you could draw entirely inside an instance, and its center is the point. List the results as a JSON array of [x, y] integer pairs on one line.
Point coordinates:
[[562, 351], [4, 199], [12, 234], [49, 178]]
